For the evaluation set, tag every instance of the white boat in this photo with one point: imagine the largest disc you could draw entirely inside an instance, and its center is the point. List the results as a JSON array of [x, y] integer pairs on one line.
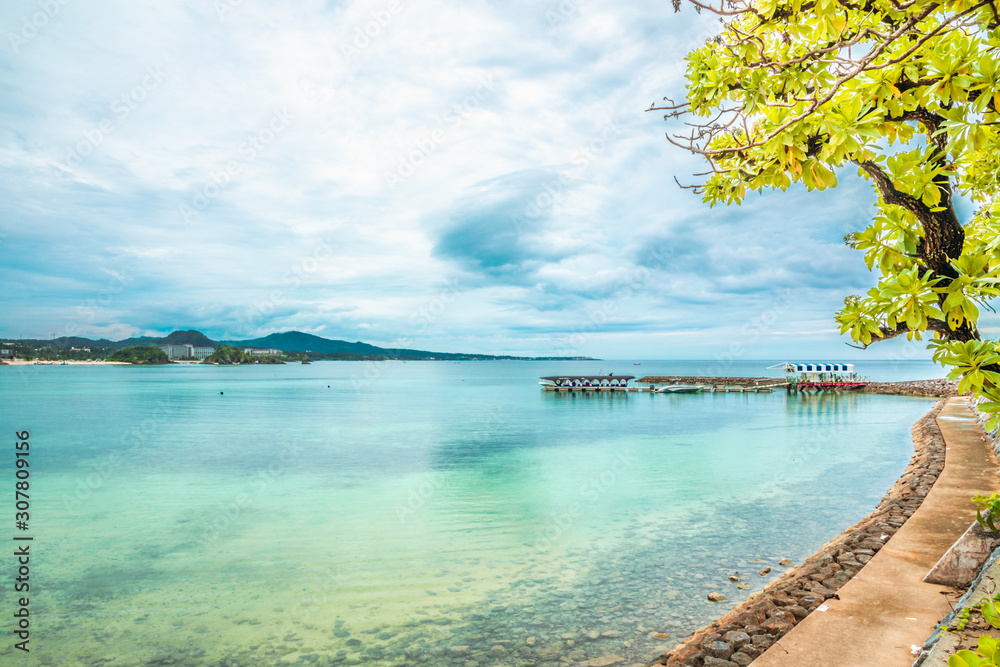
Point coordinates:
[[678, 389]]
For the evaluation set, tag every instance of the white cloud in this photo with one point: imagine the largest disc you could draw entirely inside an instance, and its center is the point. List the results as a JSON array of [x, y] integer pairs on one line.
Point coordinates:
[[116, 116]]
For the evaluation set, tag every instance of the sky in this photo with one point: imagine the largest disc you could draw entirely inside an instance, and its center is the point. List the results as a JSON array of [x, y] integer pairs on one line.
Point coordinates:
[[456, 176]]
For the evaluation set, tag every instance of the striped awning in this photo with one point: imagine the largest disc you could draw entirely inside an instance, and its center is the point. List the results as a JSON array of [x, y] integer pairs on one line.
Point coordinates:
[[820, 368]]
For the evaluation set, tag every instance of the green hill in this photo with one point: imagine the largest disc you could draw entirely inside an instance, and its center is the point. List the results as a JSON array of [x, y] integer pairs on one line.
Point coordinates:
[[140, 355], [296, 341], [228, 355], [191, 337]]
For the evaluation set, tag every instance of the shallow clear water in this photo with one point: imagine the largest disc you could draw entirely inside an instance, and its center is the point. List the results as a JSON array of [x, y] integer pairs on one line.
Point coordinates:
[[419, 513]]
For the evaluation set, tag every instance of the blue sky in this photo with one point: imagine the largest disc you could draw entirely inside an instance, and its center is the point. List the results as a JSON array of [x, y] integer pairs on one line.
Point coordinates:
[[464, 176]]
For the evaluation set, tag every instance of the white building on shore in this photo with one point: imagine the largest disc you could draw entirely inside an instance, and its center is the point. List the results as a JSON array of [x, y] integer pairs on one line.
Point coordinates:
[[262, 352], [186, 351]]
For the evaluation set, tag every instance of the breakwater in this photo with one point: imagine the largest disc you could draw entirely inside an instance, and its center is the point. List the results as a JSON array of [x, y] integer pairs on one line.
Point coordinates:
[[932, 388], [937, 388]]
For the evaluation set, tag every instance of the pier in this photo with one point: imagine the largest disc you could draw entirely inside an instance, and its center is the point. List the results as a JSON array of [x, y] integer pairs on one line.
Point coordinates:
[[656, 384], [717, 384], [799, 378]]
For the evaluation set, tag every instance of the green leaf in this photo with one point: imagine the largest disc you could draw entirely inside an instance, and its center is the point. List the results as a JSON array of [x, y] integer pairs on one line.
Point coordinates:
[[965, 658], [989, 612]]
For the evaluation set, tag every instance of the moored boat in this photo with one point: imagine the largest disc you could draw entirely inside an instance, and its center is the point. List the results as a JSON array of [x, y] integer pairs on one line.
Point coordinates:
[[678, 389]]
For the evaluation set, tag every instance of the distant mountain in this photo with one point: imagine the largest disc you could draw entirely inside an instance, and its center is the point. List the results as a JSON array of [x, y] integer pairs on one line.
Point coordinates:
[[296, 341], [192, 337], [288, 341]]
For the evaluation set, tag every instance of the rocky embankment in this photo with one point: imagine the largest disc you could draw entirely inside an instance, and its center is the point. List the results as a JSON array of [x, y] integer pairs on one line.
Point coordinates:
[[938, 388], [754, 625], [931, 388]]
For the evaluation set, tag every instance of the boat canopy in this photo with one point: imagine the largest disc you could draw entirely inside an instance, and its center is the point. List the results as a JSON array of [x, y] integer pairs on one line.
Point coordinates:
[[566, 379], [819, 368]]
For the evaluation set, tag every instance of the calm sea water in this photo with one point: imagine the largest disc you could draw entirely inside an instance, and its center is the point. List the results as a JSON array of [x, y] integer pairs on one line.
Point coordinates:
[[417, 513]]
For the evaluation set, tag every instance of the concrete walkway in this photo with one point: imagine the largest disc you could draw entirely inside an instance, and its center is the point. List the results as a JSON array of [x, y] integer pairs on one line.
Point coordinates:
[[886, 609]]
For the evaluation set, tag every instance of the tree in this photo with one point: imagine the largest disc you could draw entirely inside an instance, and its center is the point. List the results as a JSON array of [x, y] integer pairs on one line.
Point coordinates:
[[228, 355], [140, 355], [908, 92]]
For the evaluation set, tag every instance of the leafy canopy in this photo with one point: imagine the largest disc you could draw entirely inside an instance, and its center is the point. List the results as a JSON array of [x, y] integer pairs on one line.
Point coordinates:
[[907, 92], [140, 355]]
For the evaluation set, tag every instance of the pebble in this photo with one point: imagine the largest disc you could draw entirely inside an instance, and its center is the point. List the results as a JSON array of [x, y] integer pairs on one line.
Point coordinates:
[[784, 562], [766, 571], [717, 597], [718, 649], [742, 659], [603, 661], [717, 662]]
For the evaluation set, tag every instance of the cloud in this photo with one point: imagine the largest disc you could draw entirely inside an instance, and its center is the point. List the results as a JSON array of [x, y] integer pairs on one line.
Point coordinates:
[[498, 226], [332, 168]]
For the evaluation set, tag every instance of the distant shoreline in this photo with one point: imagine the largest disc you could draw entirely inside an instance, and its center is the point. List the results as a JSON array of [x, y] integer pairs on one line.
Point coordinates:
[[67, 362]]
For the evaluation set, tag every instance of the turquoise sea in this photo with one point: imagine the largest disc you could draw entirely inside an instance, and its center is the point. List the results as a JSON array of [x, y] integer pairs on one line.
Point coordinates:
[[439, 513]]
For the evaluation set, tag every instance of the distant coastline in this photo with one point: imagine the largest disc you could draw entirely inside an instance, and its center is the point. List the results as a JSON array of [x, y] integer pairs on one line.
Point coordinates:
[[294, 345]]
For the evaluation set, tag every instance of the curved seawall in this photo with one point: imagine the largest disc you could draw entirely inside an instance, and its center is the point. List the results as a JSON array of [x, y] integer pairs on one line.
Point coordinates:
[[751, 627]]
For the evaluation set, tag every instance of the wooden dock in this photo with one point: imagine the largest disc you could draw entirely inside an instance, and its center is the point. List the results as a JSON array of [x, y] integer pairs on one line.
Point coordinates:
[[611, 384], [736, 389]]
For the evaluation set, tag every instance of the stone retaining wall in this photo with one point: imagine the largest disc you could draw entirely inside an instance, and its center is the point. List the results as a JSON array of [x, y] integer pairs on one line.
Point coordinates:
[[930, 388], [939, 388], [752, 626], [993, 437]]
